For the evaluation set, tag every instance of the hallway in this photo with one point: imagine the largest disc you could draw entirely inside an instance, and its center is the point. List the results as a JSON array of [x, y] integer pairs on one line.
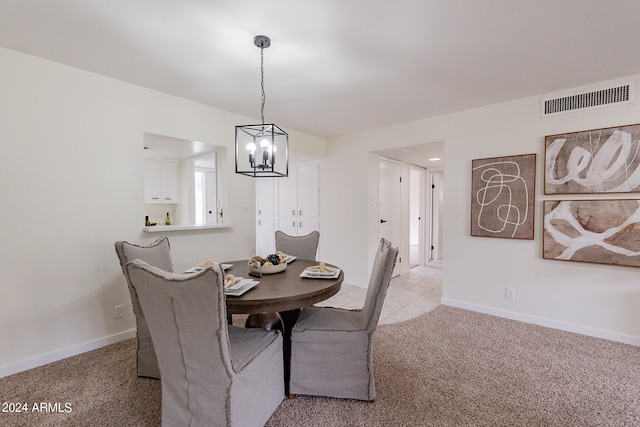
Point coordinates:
[[409, 295]]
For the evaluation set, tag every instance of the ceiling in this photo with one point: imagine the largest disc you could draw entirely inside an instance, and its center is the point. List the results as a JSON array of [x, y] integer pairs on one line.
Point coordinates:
[[166, 147], [336, 67], [427, 155]]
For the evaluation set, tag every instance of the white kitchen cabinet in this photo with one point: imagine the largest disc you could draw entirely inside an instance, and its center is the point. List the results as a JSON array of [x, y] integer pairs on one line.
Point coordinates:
[[288, 204], [265, 197], [298, 226], [160, 181], [288, 194], [265, 240], [298, 193], [308, 189], [265, 216], [298, 200]]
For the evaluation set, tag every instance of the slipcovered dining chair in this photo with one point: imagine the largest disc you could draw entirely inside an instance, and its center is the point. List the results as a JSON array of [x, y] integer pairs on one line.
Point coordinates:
[[303, 247], [213, 374], [332, 348], [158, 254]]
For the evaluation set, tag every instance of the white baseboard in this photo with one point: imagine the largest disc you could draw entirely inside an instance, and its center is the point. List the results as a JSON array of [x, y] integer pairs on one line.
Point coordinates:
[[54, 356], [569, 327], [357, 284]]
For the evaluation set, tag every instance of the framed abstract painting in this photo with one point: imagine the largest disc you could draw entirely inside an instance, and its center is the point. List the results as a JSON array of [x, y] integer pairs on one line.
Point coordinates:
[[596, 231], [502, 196], [594, 161]]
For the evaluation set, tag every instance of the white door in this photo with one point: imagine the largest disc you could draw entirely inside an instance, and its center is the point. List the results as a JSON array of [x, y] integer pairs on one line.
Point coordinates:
[[437, 196], [210, 185], [417, 232], [389, 208]]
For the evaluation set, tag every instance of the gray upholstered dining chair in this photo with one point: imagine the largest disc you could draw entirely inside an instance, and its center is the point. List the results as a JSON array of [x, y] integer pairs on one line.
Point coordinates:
[[332, 348], [158, 254], [303, 247], [212, 373]]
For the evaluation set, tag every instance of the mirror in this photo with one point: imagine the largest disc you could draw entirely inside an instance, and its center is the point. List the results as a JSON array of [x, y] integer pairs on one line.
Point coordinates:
[[184, 181]]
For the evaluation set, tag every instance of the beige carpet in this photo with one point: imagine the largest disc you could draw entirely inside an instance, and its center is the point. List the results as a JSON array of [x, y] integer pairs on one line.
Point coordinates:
[[451, 367]]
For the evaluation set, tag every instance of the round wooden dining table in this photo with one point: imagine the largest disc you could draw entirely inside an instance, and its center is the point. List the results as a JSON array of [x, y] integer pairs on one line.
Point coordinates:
[[275, 302], [280, 292]]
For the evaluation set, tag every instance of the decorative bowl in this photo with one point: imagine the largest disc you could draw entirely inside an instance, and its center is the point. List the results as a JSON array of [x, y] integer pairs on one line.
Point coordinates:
[[268, 269]]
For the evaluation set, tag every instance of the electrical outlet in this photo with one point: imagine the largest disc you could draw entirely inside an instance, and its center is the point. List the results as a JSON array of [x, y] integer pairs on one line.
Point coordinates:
[[509, 293], [118, 311]]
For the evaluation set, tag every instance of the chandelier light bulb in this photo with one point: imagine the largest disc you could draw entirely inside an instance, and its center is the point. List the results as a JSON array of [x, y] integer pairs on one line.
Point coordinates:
[[251, 147]]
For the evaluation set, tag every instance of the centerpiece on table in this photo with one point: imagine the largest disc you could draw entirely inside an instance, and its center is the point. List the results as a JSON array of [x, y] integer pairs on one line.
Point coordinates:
[[274, 263]]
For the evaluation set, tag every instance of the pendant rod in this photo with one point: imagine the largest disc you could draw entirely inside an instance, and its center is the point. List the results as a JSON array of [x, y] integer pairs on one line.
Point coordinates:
[[262, 42], [263, 97]]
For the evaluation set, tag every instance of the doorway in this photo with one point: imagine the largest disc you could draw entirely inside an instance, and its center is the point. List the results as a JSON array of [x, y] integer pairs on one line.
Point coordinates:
[[204, 191], [421, 167], [205, 195]]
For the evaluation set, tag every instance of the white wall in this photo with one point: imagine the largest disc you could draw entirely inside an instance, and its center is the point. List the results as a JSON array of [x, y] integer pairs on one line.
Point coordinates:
[[594, 299], [71, 184]]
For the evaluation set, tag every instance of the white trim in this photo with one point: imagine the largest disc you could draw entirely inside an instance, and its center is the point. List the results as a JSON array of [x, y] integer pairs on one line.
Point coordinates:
[[73, 350], [569, 327], [361, 285], [165, 228], [435, 221]]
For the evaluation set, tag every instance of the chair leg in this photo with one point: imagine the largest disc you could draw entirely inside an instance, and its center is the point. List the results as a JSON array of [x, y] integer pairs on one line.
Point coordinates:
[[292, 396]]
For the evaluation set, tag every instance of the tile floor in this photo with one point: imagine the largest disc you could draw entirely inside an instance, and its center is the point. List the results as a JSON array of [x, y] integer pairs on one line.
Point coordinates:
[[408, 296]]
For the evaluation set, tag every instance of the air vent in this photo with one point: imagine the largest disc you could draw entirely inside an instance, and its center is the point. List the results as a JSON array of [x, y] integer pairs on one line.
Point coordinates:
[[622, 94]]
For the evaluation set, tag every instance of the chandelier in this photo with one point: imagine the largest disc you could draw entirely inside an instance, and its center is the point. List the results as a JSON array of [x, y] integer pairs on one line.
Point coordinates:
[[258, 146]]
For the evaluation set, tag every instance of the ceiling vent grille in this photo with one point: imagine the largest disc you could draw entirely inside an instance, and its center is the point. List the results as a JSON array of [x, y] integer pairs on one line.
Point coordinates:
[[621, 94]]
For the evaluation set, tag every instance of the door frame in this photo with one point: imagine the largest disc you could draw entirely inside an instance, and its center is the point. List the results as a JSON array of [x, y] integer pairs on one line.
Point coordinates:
[[435, 222]]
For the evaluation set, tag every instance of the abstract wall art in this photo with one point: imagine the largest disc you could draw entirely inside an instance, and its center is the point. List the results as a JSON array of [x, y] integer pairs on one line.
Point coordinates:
[[594, 161], [502, 200], [596, 231]]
